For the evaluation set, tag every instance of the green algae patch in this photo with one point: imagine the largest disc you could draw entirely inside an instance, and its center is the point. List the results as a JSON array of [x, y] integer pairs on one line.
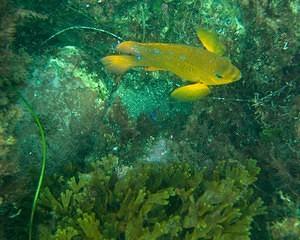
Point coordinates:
[[171, 200]]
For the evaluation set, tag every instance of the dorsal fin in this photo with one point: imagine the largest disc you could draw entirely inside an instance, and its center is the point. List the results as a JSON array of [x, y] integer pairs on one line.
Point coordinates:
[[210, 41]]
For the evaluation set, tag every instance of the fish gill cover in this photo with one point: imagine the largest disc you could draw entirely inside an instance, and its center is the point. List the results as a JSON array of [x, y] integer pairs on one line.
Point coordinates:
[[124, 160]]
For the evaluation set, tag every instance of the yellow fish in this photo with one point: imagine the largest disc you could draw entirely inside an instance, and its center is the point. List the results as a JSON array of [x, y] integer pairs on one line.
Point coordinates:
[[202, 67]]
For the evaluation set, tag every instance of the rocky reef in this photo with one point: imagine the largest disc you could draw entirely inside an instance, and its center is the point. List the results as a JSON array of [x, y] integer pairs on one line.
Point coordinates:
[[69, 100], [123, 144]]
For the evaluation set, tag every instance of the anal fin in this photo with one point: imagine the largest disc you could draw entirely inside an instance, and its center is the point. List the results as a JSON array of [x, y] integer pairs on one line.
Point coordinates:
[[191, 92]]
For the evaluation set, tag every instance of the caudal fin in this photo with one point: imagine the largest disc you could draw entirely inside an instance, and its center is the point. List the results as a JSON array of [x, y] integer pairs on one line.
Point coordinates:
[[119, 63]]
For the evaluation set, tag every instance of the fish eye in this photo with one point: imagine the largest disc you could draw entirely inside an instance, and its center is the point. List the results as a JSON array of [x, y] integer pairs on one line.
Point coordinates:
[[218, 75]]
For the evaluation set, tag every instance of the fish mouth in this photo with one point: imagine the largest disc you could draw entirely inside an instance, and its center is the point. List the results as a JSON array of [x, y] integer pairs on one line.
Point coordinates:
[[237, 75], [234, 74]]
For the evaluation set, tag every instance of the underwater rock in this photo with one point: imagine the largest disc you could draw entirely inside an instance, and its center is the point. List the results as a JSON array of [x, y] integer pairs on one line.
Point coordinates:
[[288, 228], [68, 99], [157, 150], [146, 93]]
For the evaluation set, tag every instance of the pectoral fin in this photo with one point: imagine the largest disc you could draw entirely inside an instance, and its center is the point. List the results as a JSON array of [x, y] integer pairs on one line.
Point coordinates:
[[211, 41], [191, 92]]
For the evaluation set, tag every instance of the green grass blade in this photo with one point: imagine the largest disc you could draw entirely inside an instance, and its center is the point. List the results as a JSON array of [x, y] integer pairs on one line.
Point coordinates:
[[43, 167]]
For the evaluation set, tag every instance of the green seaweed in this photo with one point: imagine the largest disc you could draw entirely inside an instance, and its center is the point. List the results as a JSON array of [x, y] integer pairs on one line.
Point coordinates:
[[155, 201], [90, 226], [65, 234], [43, 162]]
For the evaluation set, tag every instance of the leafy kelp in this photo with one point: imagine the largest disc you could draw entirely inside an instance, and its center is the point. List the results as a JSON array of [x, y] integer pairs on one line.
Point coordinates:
[[153, 201]]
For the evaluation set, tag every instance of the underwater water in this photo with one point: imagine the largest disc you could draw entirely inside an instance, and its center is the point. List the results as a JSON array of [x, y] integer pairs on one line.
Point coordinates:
[[106, 135]]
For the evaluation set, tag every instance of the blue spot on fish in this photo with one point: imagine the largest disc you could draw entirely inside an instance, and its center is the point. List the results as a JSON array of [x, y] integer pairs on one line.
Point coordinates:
[[182, 57], [156, 51]]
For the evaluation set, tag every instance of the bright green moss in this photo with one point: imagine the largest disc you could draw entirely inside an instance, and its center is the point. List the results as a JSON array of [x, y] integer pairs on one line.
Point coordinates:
[[156, 201]]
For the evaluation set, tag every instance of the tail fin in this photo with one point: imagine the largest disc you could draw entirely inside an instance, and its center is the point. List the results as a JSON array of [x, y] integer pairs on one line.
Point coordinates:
[[119, 63], [128, 47]]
